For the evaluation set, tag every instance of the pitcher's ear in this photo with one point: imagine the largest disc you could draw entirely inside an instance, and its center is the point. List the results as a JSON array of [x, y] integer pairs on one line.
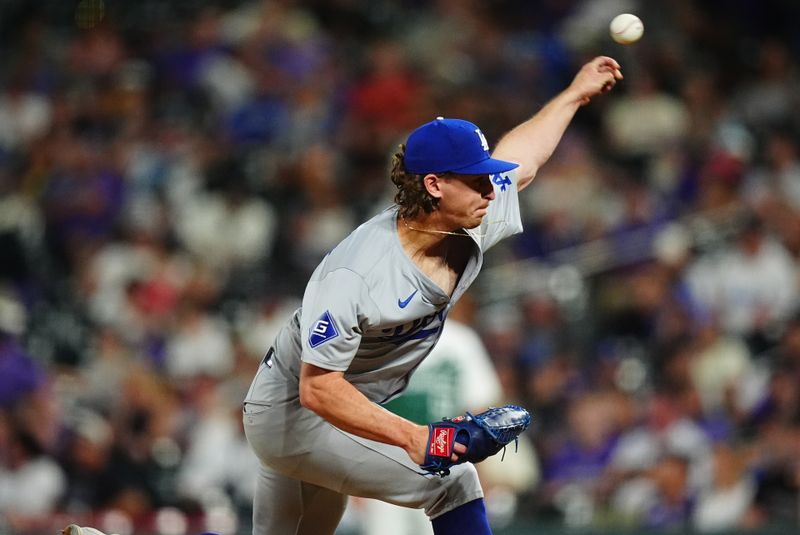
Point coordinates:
[[433, 184]]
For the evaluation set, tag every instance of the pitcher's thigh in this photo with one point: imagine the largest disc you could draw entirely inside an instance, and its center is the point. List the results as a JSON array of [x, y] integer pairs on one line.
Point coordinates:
[[302, 446], [359, 467]]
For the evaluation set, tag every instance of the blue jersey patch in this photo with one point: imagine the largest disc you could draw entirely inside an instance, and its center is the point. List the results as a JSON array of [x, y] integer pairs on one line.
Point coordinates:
[[323, 330], [501, 181]]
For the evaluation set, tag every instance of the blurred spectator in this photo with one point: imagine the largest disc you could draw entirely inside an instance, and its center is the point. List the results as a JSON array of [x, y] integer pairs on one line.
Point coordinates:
[[647, 120], [318, 219], [571, 201], [200, 345], [727, 502], [88, 463], [673, 504], [777, 179], [229, 228], [24, 116], [718, 363], [21, 233], [216, 428], [19, 374], [768, 98], [31, 482], [574, 460], [82, 200], [750, 286]]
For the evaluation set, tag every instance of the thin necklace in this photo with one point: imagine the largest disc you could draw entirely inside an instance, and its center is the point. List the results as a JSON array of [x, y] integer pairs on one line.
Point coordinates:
[[463, 233], [432, 231]]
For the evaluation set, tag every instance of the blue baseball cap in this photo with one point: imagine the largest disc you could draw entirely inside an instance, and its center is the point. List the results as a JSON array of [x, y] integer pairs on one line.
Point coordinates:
[[451, 145]]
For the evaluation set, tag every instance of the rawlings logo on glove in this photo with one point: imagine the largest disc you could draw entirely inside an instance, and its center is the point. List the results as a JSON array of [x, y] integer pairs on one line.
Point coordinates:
[[483, 434], [441, 445]]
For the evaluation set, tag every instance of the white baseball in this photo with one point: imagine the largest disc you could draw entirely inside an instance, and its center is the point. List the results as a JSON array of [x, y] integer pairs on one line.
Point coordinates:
[[626, 28]]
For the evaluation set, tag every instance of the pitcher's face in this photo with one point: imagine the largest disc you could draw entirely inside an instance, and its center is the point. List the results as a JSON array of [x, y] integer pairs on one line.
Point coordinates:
[[465, 199]]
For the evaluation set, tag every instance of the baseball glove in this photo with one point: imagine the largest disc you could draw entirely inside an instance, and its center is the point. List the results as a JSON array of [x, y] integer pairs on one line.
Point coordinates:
[[483, 434]]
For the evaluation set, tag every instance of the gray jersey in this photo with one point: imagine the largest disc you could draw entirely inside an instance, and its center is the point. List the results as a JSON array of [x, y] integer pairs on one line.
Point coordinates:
[[369, 312]]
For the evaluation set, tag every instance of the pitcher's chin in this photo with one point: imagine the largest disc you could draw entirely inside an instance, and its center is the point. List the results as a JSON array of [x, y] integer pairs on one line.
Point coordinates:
[[474, 223]]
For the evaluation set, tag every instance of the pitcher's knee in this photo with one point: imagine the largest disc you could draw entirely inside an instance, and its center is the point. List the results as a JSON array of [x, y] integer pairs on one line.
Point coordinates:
[[458, 488]]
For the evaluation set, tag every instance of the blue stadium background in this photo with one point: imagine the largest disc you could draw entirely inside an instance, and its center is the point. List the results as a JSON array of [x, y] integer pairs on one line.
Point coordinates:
[[171, 172]]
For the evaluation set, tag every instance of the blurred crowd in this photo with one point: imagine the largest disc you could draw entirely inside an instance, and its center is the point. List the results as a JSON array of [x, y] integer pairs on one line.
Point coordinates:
[[171, 172]]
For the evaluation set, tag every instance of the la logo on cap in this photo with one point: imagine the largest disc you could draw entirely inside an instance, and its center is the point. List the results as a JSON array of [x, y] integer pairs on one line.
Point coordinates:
[[484, 143]]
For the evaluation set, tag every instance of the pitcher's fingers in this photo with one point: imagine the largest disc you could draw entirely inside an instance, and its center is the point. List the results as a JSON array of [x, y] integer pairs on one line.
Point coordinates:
[[458, 449], [607, 60], [610, 69]]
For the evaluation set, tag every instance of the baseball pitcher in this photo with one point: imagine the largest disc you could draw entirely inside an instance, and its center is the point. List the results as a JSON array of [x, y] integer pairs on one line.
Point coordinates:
[[373, 309]]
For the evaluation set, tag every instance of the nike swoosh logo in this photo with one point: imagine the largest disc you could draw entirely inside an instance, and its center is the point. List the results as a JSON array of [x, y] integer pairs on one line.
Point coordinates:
[[403, 303]]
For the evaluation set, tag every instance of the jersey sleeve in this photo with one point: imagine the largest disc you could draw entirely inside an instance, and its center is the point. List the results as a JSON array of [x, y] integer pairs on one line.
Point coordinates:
[[503, 218], [335, 309]]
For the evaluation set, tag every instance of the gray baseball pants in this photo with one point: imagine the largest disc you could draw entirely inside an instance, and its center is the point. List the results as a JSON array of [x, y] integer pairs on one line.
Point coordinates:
[[309, 467]]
